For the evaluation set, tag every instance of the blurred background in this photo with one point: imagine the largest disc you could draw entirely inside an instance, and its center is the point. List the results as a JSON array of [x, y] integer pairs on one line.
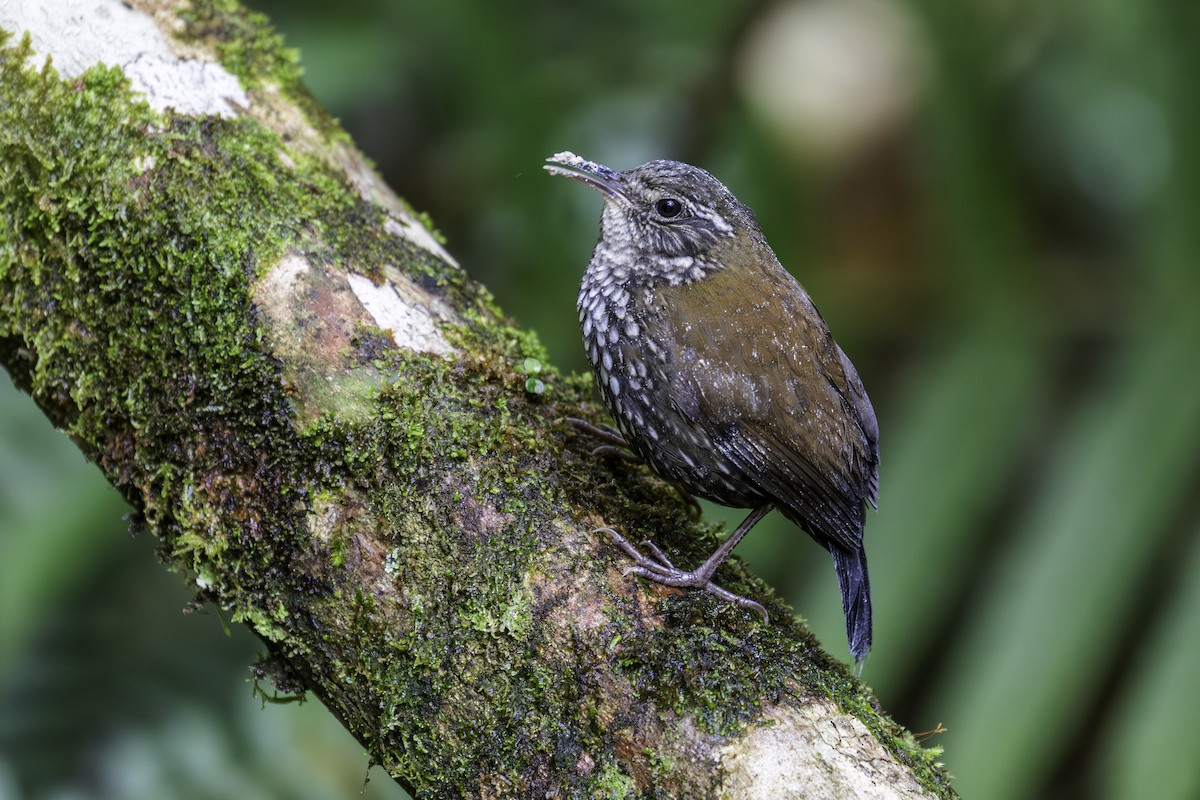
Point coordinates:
[[997, 209]]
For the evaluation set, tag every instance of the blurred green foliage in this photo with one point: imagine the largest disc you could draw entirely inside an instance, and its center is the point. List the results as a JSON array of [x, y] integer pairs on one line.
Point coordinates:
[[996, 206]]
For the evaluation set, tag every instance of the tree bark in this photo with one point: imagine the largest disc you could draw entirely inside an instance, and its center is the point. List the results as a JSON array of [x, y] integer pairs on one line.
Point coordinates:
[[338, 438]]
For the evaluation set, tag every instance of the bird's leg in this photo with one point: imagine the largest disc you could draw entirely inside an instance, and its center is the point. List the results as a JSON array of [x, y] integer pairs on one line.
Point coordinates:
[[658, 568]]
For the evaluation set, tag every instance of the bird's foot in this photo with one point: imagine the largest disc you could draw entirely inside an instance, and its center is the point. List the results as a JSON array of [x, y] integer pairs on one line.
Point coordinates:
[[616, 444], [658, 568]]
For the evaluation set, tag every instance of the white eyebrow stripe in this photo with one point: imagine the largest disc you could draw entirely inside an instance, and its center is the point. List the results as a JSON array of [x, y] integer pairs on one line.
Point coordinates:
[[717, 221]]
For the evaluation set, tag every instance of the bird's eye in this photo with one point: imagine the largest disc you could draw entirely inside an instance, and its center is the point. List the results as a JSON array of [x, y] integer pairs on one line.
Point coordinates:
[[668, 208]]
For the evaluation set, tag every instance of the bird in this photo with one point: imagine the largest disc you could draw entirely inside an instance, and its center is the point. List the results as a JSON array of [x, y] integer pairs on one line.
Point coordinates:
[[721, 374]]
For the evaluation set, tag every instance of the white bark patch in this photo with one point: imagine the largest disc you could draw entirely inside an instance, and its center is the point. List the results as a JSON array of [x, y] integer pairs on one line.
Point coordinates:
[[278, 287], [418, 234], [814, 752], [78, 34], [412, 326]]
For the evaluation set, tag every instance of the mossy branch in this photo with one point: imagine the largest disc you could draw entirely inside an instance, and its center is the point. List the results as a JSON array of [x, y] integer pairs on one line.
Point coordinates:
[[336, 437]]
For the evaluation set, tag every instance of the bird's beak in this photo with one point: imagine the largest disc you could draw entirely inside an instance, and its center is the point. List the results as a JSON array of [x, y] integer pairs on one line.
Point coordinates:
[[595, 175]]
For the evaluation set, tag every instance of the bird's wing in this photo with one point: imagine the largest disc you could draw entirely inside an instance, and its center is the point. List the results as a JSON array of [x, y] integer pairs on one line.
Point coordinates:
[[760, 373]]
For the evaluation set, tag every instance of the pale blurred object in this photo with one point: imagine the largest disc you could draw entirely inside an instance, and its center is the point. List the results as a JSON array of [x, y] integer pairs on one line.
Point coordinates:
[[832, 77]]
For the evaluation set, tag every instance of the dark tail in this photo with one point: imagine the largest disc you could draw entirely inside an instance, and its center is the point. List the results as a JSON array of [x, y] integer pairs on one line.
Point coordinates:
[[851, 566]]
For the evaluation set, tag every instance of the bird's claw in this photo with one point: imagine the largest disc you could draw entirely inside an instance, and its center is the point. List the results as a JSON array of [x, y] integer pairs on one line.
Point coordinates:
[[658, 555], [658, 568], [614, 450], [617, 446], [605, 433]]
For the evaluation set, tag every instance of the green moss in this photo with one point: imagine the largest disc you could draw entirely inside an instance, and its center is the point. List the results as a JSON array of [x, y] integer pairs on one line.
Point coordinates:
[[613, 784], [661, 765], [427, 221], [271, 626], [460, 483], [146, 226]]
